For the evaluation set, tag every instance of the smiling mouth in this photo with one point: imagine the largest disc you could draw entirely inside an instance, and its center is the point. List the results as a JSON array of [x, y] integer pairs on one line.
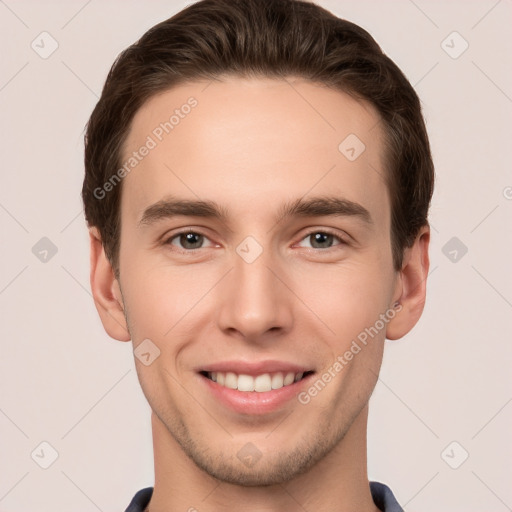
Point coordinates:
[[258, 383]]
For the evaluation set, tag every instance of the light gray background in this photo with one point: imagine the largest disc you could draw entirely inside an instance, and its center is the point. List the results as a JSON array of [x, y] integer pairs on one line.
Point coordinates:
[[64, 381]]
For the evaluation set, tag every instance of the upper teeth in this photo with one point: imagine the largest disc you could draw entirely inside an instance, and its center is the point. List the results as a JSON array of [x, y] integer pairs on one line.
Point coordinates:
[[260, 383]]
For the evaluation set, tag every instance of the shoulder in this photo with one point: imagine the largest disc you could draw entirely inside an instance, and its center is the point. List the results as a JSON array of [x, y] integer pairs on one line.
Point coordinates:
[[384, 498], [140, 500]]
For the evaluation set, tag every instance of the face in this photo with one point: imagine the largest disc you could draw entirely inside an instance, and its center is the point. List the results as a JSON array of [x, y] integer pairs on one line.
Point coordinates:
[[273, 280]]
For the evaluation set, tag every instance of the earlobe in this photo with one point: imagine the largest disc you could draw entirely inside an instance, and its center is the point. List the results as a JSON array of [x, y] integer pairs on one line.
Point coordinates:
[[413, 287], [106, 291]]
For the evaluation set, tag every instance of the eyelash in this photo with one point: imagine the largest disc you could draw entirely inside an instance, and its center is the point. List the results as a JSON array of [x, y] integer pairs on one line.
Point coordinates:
[[342, 240]]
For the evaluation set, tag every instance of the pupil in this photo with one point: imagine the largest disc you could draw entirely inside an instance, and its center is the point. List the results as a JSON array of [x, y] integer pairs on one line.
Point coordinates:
[[189, 239], [321, 237]]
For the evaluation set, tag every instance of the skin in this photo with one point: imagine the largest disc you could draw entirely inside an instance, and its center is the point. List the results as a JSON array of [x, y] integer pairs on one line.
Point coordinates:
[[252, 145]]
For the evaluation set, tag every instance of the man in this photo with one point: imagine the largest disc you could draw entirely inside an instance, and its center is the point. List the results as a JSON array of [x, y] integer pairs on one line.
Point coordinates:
[[258, 178]]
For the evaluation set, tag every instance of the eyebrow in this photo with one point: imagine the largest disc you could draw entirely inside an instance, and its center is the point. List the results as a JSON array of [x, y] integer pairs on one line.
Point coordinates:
[[319, 206]]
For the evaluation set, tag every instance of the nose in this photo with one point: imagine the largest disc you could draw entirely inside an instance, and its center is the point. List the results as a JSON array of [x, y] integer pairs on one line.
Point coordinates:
[[255, 302]]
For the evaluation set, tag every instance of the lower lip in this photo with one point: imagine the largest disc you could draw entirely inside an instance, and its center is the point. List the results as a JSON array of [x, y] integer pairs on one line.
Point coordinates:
[[254, 402]]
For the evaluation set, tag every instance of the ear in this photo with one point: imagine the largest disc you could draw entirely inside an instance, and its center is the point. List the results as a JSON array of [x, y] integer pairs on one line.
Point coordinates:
[[106, 291], [411, 287]]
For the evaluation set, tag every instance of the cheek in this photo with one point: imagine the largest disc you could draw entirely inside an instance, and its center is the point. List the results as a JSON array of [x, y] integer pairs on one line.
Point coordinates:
[[163, 299], [151, 307], [346, 299]]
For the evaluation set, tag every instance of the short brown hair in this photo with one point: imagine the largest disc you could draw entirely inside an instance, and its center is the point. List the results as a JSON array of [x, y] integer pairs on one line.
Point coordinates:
[[260, 38]]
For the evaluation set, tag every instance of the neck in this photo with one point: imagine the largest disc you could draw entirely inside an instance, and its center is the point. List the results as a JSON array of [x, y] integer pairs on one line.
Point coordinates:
[[338, 482]]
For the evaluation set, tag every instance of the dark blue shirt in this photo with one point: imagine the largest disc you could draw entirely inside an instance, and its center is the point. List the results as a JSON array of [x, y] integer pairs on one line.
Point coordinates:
[[381, 494]]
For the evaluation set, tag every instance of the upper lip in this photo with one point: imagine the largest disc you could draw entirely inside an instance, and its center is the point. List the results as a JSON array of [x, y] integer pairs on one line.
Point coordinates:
[[254, 367]]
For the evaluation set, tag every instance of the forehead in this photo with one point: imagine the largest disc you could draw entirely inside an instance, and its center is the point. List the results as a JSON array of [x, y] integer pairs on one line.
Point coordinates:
[[241, 141]]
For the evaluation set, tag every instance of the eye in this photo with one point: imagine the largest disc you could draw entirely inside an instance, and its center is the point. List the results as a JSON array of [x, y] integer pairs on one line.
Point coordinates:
[[321, 239], [188, 240]]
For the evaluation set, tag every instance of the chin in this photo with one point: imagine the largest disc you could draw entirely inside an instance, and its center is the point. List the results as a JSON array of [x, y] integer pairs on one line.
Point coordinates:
[[250, 467]]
